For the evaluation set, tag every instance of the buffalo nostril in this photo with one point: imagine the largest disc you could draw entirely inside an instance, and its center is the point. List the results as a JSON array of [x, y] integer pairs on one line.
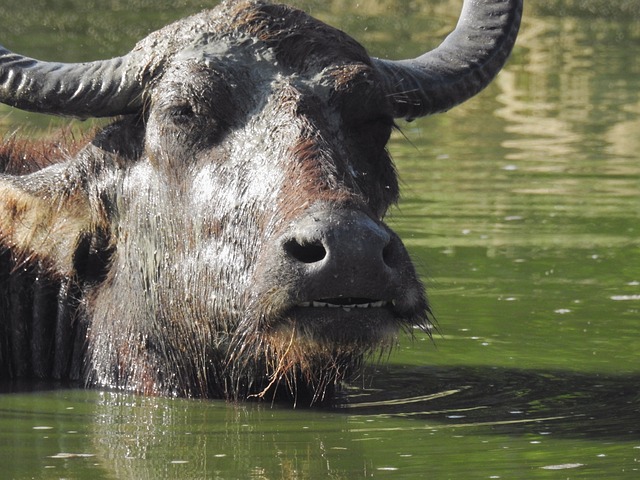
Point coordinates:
[[388, 254], [305, 252]]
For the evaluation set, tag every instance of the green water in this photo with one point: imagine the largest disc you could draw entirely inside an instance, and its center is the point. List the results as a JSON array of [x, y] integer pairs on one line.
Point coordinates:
[[521, 209]]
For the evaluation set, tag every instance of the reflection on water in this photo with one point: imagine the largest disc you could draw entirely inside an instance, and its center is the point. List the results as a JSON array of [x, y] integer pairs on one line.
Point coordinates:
[[510, 401], [521, 211], [444, 422]]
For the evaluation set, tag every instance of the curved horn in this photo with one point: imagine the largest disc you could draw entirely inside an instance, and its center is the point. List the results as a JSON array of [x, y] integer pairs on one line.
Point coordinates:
[[464, 64], [96, 89], [102, 88]]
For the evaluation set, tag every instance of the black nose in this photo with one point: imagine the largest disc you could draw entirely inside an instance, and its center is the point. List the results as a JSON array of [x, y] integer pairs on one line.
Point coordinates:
[[344, 253]]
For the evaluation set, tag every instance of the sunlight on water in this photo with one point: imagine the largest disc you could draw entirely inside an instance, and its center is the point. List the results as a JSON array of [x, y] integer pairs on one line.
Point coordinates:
[[520, 209]]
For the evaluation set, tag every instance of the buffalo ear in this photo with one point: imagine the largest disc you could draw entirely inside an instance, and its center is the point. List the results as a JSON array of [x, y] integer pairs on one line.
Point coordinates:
[[45, 217]]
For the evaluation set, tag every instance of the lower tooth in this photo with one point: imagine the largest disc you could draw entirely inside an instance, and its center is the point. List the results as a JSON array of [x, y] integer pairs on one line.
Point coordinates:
[[378, 304]]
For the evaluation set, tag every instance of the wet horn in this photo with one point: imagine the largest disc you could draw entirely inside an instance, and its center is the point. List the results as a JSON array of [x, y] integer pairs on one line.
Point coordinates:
[[95, 89], [464, 63]]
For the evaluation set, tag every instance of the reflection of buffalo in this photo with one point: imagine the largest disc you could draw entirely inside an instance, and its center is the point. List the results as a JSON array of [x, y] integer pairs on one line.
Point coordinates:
[[508, 401], [224, 237], [410, 417]]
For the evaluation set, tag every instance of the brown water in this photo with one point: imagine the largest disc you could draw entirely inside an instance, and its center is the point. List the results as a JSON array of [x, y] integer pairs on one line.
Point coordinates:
[[521, 209]]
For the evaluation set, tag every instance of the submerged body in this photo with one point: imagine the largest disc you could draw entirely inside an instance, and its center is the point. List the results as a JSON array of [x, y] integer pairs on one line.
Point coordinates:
[[225, 238]]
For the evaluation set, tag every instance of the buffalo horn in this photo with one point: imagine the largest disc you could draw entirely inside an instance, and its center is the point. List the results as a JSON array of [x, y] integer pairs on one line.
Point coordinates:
[[95, 89], [464, 64]]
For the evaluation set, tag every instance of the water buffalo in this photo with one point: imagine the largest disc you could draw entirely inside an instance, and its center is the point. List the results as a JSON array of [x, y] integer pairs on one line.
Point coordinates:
[[224, 237]]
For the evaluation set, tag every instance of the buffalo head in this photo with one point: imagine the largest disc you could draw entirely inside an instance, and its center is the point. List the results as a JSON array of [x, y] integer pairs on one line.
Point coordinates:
[[225, 236]]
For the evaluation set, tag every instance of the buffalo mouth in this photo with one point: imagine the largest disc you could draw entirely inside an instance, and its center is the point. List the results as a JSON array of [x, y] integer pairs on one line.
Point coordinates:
[[347, 304], [331, 322], [324, 340], [314, 342], [360, 312]]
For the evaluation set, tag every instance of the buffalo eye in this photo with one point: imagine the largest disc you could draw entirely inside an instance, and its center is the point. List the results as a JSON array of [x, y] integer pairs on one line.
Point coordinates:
[[195, 119], [182, 113], [196, 112], [377, 130]]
